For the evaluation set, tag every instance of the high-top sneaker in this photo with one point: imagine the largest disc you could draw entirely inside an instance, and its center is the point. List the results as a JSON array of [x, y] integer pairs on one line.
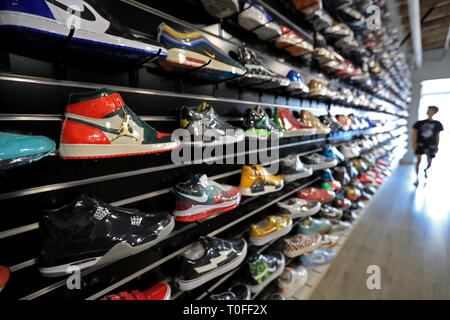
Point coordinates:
[[328, 181], [256, 180], [298, 85], [292, 128], [98, 124], [257, 124], [206, 127]]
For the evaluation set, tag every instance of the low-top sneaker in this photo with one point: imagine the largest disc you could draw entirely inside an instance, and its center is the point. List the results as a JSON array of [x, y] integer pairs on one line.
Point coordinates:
[[311, 226], [329, 241], [238, 292], [270, 228], [291, 168], [330, 213], [318, 257], [318, 161], [255, 18], [207, 259], [339, 226], [293, 43], [297, 85], [291, 280], [263, 269], [299, 208], [160, 291], [301, 244], [201, 197], [315, 194]]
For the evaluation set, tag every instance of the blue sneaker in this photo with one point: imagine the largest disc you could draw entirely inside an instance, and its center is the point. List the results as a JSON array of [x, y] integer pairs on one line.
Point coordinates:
[[17, 150], [317, 258], [47, 25], [297, 85]]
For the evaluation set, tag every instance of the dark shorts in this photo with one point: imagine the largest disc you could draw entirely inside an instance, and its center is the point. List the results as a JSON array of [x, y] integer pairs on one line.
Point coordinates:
[[429, 151]]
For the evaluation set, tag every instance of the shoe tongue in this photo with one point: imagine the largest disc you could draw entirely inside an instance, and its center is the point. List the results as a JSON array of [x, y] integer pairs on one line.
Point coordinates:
[[204, 106], [198, 249]]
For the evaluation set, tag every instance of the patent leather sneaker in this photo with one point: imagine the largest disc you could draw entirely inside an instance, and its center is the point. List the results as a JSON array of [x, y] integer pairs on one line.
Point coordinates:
[[207, 259], [290, 126], [263, 269], [301, 244], [201, 197], [4, 277], [207, 128], [270, 228], [89, 232], [292, 279], [256, 180], [257, 124], [47, 24], [192, 50], [318, 257], [318, 161], [238, 292], [315, 194], [17, 150], [98, 124], [291, 168], [311, 226], [160, 291], [299, 208]]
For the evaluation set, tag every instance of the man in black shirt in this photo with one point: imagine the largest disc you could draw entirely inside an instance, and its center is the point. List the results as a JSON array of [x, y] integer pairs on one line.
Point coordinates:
[[426, 139]]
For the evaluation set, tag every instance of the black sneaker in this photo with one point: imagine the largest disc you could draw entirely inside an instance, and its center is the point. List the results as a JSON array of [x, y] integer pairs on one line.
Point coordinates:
[[263, 269], [239, 292], [318, 161], [207, 259], [258, 75], [257, 124], [89, 232], [207, 128], [291, 168]]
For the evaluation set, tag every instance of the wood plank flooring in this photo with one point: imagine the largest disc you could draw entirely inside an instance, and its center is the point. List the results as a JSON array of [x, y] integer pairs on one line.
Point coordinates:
[[406, 232]]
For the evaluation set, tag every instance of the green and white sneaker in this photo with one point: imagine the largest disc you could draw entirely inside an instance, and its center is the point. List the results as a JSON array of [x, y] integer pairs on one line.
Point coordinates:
[[263, 269]]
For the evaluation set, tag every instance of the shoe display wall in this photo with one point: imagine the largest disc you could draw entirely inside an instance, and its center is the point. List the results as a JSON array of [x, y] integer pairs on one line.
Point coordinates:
[[117, 83]]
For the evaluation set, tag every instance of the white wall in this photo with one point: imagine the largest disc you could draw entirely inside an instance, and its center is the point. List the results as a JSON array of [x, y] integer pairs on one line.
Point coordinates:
[[433, 68]]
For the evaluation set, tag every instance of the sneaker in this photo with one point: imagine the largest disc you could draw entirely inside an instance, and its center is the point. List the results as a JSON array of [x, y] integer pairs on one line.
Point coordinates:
[[291, 280], [319, 257], [270, 228], [350, 150], [4, 277], [318, 162], [239, 292], [200, 197], [328, 181], [207, 128], [17, 150], [301, 244], [342, 175], [297, 85], [257, 124], [329, 241], [254, 18], [312, 226], [89, 232], [338, 31], [331, 152], [221, 9], [341, 203], [349, 216], [317, 89], [293, 43], [47, 24], [207, 259], [351, 193], [98, 124], [299, 208], [256, 180], [258, 75], [290, 126], [310, 120], [292, 169], [160, 291], [314, 194], [308, 7], [339, 225], [330, 213], [192, 50], [263, 269]]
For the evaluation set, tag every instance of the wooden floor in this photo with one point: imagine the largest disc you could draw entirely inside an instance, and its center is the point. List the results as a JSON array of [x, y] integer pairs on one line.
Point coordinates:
[[406, 232]]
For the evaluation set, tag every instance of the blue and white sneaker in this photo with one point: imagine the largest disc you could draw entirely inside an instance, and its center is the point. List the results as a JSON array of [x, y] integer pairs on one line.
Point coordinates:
[[297, 85], [254, 18], [17, 150], [331, 152], [317, 258], [47, 24]]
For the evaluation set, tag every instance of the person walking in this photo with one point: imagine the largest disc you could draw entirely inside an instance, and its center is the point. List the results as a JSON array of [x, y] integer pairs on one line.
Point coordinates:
[[426, 139]]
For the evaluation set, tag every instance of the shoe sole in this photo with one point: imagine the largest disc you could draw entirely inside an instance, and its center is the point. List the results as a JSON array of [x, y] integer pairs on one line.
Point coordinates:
[[94, 151], [293, 254], [273, 276], [119, 251], [303, 214], [12, 163], [267, 189], [185, 285], [275, 235], [203, 211], [297, 176]]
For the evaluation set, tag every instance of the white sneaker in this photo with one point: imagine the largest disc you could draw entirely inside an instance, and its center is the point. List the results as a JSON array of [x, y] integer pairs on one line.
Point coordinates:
[[298, 208], [291, 280], [254, 18]]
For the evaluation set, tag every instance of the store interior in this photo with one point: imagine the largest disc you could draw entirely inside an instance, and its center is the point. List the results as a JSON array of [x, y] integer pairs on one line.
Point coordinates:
[[223, 150]]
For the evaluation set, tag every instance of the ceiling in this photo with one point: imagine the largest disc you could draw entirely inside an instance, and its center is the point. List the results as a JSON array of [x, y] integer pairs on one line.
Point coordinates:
[[434, 28]]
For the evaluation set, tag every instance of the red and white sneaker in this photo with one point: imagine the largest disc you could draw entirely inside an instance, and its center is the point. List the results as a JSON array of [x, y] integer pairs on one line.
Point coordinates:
[[98, 124], [160, 291], [314, 194], [4, 277], [291, 126], [200, 197]]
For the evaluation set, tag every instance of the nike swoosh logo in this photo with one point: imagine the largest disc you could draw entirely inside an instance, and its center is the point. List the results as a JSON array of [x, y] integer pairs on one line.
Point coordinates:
[[211, 55], [203, 198], [85, 14]]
